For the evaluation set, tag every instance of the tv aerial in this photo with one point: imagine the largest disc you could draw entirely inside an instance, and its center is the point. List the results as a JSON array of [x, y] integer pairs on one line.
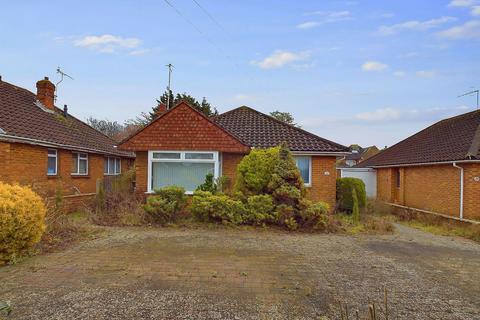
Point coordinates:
[[62, 76], [470, 93]]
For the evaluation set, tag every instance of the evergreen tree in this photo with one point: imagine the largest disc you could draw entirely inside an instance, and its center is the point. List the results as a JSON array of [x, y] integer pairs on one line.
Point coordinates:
[[284, 117], [205, 107]]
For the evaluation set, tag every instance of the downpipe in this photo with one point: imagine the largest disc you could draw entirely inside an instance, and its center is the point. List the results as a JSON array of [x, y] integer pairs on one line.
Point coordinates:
[[461, 188]]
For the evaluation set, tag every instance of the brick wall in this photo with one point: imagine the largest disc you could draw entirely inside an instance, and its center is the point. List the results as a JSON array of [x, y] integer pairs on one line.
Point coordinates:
[[230, 162], [434, 188], [141, 172], [323, 186], [27, 165]]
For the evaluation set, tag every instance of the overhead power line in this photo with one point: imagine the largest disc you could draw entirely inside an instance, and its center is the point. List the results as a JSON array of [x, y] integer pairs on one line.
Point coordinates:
[[209, 15]]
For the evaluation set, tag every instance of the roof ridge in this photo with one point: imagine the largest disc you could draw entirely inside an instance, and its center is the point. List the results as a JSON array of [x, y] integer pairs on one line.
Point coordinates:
[[286, 124]]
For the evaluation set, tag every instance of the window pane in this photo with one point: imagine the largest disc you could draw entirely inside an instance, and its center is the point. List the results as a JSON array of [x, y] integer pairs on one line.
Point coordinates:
[[52, 152], [111, 165], [166, 155], [75, 163], [83, 155], [82, 166], [183, 174], [105, 166], [52, 165], [117, 166], [202, 156], [303, 164]]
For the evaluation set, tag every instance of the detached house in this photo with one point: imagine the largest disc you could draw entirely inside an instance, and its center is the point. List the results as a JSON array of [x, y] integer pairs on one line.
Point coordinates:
[[435, 170], [50, 150], [182, 145]]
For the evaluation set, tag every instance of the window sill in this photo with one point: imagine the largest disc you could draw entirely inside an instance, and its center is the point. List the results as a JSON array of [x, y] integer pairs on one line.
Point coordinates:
[[52, 176], [111, 175], [75, 176]]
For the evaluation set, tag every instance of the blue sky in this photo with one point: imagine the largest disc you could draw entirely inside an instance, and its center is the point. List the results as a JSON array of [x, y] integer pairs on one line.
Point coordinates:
[[367, 72]]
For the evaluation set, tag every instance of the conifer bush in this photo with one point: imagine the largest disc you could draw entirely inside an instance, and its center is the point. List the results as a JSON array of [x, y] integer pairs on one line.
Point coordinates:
[[345, 187], [22, 221], [166, 205], [221, 208]]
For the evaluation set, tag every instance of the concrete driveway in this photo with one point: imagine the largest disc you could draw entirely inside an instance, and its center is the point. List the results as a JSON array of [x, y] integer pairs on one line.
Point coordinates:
[[141, 273]]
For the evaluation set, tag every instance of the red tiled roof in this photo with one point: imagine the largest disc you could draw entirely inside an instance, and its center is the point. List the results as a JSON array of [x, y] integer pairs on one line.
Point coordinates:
[[22, 119], [259, 130], [452, 139]]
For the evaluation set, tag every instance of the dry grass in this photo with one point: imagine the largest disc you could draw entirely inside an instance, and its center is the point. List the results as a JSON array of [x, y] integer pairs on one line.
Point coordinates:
[[64, 230]]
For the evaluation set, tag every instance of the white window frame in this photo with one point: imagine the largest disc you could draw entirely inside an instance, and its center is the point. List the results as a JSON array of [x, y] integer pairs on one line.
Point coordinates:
[[215, 161], [56, 161], [309, 184], [78, 163], [108, 159]]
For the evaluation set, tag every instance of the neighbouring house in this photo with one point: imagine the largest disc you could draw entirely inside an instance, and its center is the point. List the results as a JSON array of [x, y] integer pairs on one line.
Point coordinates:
[[345, 167], [48, 149], [182, 145], [435, 170]]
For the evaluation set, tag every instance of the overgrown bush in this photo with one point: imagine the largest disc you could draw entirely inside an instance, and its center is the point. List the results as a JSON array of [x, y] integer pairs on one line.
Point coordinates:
[[260, 210], [345, 187], [118, 205], [254, 172], [314, 215], [210, 207], [22, 221], [166, 205], [355, 208]]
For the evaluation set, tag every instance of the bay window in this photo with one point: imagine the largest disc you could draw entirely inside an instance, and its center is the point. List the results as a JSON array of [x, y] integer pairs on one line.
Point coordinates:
[[112, 166], [185, 169], [52, 162], [79, 163], [304, 164]]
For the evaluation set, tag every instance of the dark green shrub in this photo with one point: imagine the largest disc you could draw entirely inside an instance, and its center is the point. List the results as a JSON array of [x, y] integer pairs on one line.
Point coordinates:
[[217, 208], [260, 210], [213, 185], [345, 186], [355, 209], [166, 205]]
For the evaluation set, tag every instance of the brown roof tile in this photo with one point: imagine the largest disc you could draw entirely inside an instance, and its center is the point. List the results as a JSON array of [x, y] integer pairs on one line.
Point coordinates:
[[22, 118], [452, 139], [259, 130]]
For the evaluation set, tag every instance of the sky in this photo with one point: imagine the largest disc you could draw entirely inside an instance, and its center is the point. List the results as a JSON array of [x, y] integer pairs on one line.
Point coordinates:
[[365, 72]]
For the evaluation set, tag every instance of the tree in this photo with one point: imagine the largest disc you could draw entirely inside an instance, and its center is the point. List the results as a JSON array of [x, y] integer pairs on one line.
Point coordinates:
[[113, 129], [205, 107], [284, 117]]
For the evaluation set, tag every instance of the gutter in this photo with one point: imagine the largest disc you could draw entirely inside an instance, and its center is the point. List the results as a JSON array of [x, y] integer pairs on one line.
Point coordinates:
[[423, 164], [313, 153], [10, 138], [461, 188]]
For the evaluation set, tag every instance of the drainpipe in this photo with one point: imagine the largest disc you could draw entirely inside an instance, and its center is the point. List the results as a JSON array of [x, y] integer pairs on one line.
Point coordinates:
[[461, 188]]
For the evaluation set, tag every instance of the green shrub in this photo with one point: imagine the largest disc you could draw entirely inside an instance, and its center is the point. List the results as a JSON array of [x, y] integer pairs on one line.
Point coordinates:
[[260, 210], [286, 216], [166, 205], [345, 186], [209, 184], [254, 172], [355, 209], [314, 215], [22, 221], [217, 208]]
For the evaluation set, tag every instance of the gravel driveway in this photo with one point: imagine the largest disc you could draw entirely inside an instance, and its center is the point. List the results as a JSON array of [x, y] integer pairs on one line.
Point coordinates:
[[140, 273]]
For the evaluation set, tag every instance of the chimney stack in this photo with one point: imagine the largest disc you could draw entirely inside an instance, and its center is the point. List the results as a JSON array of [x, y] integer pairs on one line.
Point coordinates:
[[162, 108], [46, 93]]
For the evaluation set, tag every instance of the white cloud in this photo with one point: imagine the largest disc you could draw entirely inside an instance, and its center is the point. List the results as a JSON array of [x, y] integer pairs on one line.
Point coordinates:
[[327, 17], [373, 66], [139, 52], [469, 30], [281, 58], [462, 3], [107, 43], [426, 74], [399, 74], [308, 25], [413, 25], [475, 11]]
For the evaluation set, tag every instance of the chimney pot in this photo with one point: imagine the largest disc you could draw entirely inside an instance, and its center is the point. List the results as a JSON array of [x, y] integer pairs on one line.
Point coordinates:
[[65, 110], [46, 93]]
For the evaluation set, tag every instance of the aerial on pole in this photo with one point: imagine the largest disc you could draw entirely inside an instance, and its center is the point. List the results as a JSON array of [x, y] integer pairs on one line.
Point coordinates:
[[169, 66], [477, 92]]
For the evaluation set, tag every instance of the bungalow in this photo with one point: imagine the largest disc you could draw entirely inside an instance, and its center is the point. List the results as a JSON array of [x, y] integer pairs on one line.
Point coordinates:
[[50, 150], [435, 170], [182, 145]]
